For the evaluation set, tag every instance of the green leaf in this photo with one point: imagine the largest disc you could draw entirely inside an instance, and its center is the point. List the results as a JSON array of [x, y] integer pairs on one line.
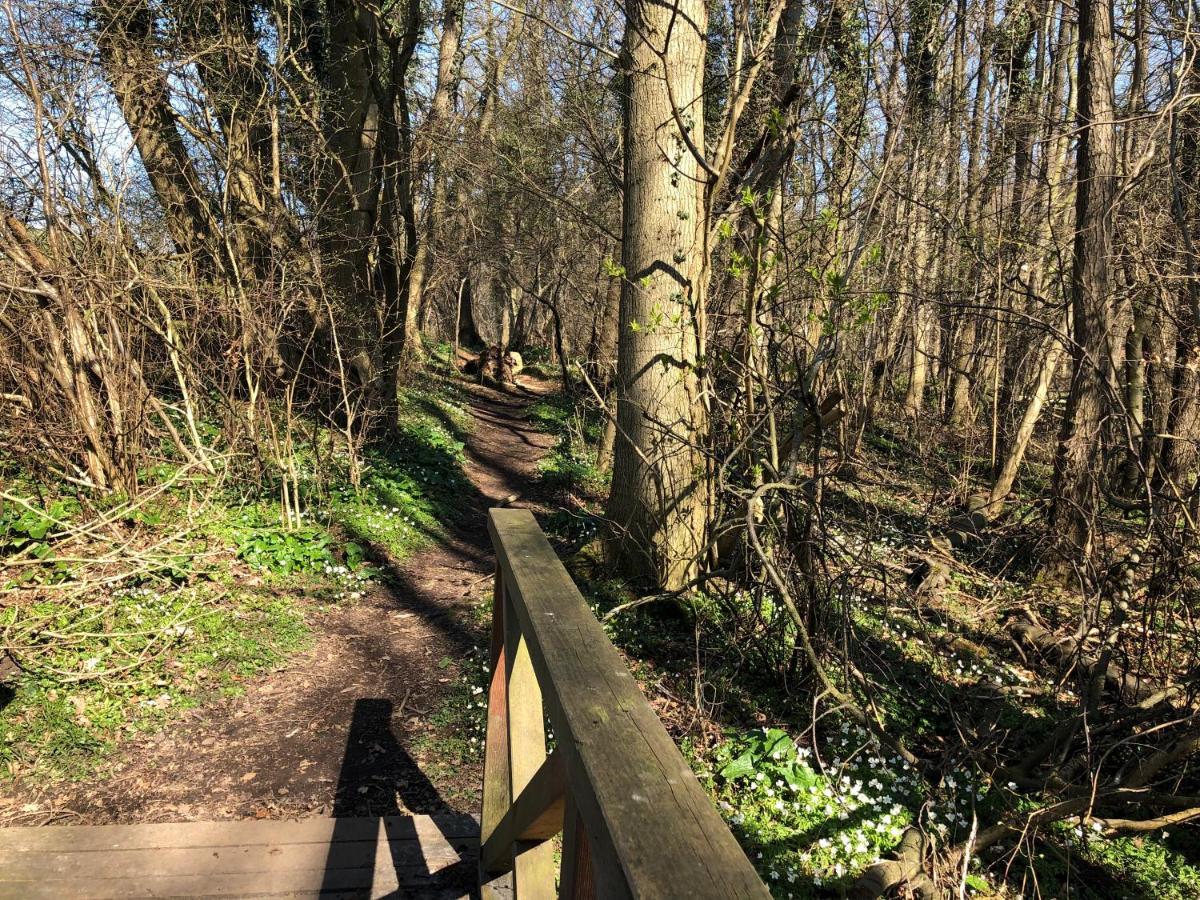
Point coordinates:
[[741, 767], [37, 528], [612, 269]]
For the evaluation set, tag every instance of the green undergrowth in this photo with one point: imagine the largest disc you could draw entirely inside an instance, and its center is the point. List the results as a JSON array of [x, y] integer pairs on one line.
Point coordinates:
[[538, 362], [126, 663], [570, 466], [815, 802], [459, 723], [815, 818], [116, 612]]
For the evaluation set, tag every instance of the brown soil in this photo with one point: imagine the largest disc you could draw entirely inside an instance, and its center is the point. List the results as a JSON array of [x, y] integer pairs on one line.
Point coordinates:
[[344, 729]]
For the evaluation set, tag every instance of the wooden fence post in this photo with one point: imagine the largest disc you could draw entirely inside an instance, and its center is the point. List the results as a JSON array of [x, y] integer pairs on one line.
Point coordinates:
[[497, 777], [533, 861], [576, 882]]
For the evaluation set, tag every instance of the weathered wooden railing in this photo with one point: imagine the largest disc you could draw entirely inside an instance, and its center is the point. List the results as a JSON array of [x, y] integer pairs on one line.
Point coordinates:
[[635, 821]]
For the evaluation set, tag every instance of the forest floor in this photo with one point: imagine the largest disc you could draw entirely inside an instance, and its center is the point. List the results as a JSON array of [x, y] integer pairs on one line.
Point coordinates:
[[813, 798], [338, 669], [360, 722]]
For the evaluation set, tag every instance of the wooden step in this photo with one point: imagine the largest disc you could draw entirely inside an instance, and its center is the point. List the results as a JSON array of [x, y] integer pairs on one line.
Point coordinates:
[[418, 856]]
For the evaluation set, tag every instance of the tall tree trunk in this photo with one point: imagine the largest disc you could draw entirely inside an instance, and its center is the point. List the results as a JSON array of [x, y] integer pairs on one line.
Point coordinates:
[[430, 152], [920, 62], [1183, 420], [125, 38], [399, 215], [352, 186], [1077, 465], [960, 407], [659, 496]]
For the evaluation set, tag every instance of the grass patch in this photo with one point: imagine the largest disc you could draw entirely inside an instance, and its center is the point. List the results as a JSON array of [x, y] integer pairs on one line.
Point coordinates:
[[409, 489], [99, 670], [571, 465]]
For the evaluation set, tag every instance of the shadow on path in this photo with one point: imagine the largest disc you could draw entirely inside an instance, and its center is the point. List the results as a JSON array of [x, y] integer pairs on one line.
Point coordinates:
[[276, 751], [381, 787]]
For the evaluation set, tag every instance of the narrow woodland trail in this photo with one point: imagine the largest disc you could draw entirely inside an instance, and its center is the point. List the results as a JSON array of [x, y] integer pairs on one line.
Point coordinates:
[[376, 671]]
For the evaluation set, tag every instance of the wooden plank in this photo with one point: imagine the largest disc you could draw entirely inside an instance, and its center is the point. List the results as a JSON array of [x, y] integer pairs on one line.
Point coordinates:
[[496, 887], [532, 861], [237, 833], [30, 865], [497, 780], [357, 857], [653, 830], [358, 883], [536, 815], [576, 881]]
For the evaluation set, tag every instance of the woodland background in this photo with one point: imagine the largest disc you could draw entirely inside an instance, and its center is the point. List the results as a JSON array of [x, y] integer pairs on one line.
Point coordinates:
[[871, 317]]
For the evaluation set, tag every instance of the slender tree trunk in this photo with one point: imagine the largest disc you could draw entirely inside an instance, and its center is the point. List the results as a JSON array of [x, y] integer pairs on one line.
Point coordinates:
[[398, 229], [430, 152], [1077, 468], [125, 38], [1051, 359], [960, 406], [918, 369], [260, 228], [1135, 393], [606, 350]]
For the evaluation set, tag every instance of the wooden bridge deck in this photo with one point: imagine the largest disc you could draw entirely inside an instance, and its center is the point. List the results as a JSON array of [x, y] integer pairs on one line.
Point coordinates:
[[396, 856]]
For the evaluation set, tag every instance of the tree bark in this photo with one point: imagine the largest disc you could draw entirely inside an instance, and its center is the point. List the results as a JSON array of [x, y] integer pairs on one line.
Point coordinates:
[[1183, 418], [351, 188], [1077, 467], [1051, 359], [429, 153], [659, 496], [125, 39]]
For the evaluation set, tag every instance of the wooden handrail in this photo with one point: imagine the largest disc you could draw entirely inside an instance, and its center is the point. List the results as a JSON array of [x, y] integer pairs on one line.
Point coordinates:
[[635, 821]]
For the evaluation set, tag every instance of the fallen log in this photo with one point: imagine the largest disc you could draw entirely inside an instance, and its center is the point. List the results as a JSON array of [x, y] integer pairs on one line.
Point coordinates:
[[1062, 650], [905, 867], [494, 367]]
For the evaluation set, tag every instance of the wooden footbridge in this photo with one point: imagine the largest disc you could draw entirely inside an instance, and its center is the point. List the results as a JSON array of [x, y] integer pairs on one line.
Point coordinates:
[[606, 808]]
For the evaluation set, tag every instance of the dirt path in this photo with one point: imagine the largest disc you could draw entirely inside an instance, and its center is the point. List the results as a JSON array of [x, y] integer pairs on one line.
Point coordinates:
[[344, 729]]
